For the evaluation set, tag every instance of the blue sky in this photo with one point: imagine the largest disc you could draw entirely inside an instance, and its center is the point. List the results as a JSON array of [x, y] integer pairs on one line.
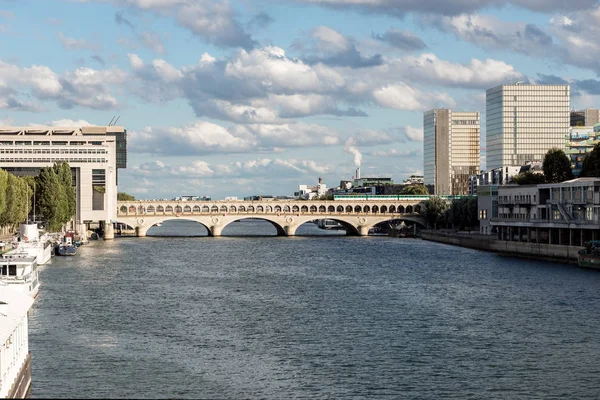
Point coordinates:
[[256, 97]]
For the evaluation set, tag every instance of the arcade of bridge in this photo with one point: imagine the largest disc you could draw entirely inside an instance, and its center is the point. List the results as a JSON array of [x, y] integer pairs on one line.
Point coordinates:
[[356, 216]]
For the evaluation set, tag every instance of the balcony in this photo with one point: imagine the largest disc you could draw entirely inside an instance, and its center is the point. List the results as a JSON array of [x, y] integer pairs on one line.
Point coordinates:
[[546, 221]]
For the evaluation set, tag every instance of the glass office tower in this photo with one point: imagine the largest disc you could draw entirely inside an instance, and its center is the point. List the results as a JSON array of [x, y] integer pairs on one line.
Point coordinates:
[[524, 121], [450, 150]]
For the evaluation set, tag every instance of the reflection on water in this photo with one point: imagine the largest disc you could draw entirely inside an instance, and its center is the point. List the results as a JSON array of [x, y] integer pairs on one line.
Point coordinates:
[[310, 317]]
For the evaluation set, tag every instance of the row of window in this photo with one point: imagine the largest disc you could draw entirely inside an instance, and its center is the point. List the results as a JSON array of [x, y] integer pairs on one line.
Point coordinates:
[[53, 159], [44, 143], [53, 151]]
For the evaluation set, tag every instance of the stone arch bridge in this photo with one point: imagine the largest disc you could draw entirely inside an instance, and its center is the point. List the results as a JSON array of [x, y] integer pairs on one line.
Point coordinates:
[[357, 216]]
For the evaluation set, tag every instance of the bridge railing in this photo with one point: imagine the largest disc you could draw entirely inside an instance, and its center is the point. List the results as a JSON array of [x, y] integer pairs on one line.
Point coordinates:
[[318, 213], [350, 197]]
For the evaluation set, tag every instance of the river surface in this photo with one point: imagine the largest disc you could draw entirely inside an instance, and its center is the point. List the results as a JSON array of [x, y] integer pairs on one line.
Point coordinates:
[[257, 316]]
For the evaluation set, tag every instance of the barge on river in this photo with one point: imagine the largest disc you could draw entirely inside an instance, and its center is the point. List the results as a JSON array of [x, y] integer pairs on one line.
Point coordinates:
[[589, 257]]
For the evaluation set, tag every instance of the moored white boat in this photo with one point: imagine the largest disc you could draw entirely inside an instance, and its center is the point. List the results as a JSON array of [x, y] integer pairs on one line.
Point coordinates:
[[33, 244], [15, 360], [329, 224], [20, 273]]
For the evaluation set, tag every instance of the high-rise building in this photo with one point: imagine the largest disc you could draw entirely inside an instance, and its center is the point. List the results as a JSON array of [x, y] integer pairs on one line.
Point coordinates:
[[524, 121], [587, 117], [450, 150]]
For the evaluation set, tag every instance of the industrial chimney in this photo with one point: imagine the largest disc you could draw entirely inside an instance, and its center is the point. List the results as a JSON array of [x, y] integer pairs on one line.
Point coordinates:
[[358, 173], [320, 180]]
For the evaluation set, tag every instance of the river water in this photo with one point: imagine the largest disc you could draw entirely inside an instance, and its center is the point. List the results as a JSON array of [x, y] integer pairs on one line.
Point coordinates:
[[327, 316]]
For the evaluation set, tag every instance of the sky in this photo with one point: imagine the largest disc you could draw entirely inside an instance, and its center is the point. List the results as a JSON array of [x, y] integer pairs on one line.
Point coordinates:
[[255, 97]]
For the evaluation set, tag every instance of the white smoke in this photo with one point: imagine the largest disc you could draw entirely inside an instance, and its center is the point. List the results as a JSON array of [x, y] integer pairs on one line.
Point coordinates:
[[351, 149]]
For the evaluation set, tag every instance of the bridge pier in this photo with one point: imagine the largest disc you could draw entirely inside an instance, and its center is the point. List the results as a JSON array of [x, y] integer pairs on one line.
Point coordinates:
[[290, 230], [363, 231], [109, 230], [140, 231], [216, 230]]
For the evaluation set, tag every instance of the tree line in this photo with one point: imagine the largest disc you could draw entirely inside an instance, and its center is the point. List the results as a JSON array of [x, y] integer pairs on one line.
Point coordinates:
[[52, 189], [458, 214]]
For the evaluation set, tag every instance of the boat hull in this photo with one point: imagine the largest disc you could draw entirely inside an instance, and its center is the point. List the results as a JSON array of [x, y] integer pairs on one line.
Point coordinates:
[[585, 261], [66, 250]]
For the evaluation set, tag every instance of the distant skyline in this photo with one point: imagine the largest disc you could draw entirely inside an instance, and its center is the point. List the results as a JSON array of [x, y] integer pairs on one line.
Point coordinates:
[[238, 98]]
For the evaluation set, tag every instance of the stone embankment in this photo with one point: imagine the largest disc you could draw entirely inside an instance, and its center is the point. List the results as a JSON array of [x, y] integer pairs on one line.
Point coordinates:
[[541, 251]]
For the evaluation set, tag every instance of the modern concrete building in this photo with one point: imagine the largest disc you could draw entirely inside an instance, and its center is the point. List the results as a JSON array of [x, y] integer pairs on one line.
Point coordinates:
[[524, 121], [94, 153], [450, 150], [487, 207], [497, 176], [566, 213], [587, 117]]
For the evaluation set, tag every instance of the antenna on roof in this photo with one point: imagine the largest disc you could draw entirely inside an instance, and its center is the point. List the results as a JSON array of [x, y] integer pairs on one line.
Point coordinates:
[[116, 120], [110, 123]]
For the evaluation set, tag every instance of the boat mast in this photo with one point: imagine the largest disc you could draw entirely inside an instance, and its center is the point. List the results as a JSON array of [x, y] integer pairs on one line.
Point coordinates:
[[34, 202], [27, 202]]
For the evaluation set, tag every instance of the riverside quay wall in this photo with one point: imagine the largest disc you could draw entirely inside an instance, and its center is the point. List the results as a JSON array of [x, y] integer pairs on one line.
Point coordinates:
[[542, 251]]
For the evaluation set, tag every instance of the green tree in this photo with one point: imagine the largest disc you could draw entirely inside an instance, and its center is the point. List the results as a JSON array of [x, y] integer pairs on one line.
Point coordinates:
[[50, 199], [66, 179], [122, 196], [557, 166], [3, 189], [63, 201], [591, 163], [415, 190], [15, 202], [529, 178], [463, 213], [435, 211]]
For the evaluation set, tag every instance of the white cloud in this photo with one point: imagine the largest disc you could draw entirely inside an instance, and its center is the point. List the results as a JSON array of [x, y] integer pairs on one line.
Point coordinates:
[[403, 97], [214, 21]]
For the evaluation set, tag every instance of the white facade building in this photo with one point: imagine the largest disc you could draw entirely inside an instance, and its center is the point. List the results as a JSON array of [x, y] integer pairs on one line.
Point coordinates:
[[15, 361], [94, 153], [524, 121], [308, 192]]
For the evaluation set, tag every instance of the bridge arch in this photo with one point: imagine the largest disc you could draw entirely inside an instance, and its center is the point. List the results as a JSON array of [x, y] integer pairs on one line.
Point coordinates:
[[280, 229]]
